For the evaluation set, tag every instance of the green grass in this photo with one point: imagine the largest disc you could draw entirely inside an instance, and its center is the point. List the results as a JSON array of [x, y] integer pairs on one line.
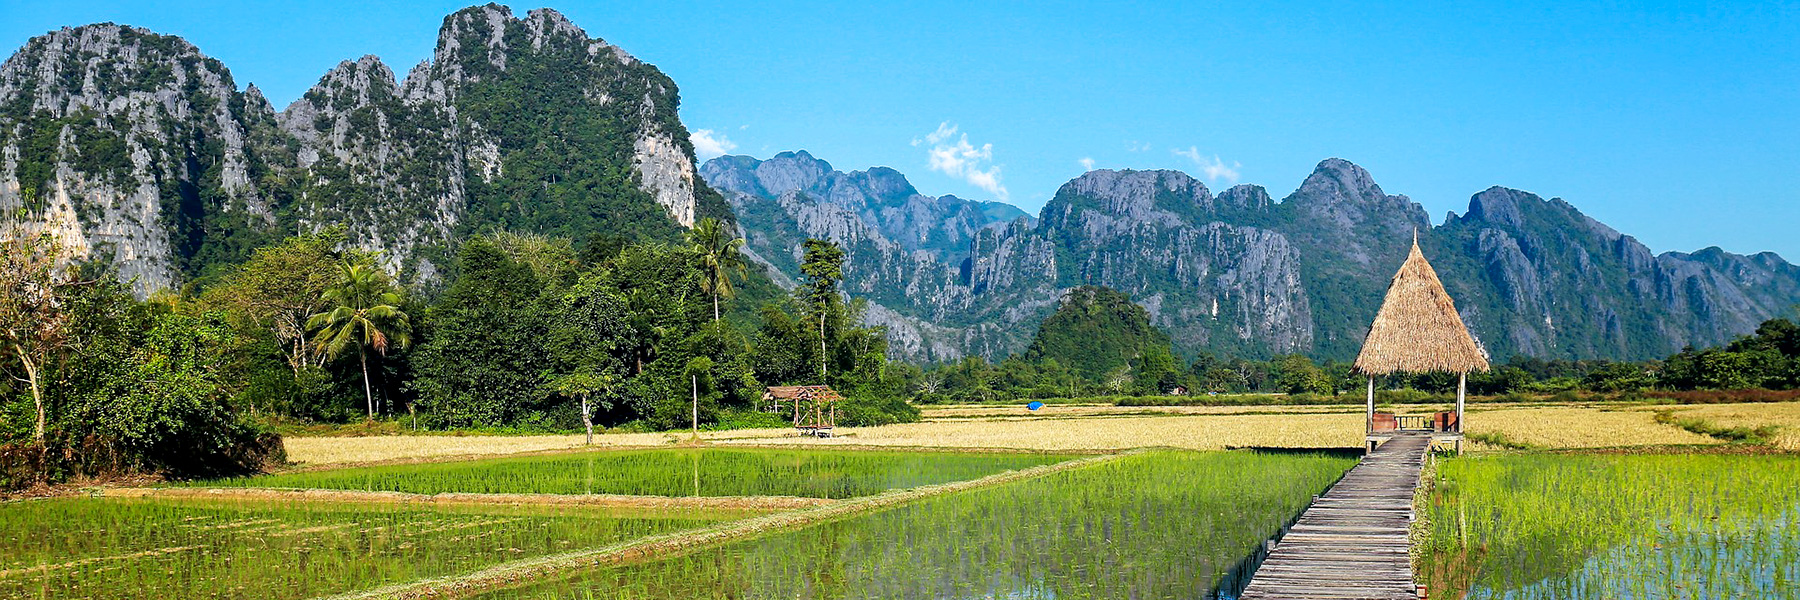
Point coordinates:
[[161, 549], [1533, 526], [668, 472], [1159, 525]]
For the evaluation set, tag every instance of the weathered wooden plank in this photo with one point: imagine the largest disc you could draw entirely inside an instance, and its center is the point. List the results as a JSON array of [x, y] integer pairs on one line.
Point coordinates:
[[1352, 542]]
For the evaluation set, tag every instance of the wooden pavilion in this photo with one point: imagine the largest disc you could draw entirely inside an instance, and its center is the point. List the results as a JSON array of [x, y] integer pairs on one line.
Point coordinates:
[[814, 406], [1418, 330]]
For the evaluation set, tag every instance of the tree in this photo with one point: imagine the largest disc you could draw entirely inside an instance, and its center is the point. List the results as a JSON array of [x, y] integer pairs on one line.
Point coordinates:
[[823, 265], [365, 314], [34, 322], [483, 362], [281, 287], [583, 386], [719, 259]]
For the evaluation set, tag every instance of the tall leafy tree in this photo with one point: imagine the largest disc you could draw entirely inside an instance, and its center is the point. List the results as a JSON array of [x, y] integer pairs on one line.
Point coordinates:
[[34, 320], [719, 258], [281, 287], [823, 265], [364, 315]]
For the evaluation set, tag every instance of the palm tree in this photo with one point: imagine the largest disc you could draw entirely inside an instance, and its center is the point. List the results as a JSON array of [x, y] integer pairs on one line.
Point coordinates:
[[719, 256], [364, 314]]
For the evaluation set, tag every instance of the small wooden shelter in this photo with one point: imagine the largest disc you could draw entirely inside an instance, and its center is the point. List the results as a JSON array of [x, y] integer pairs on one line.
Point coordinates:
[[1418, 330], [814, 406]]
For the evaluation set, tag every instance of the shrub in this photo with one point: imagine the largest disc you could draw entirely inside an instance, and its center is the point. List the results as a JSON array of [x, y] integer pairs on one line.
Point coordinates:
[[863, 412]]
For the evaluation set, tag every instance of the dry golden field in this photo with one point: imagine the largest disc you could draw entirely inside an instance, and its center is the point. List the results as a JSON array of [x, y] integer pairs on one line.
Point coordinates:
[[1580, 427], [1055, 411], [1096, 427], [1785, 415]]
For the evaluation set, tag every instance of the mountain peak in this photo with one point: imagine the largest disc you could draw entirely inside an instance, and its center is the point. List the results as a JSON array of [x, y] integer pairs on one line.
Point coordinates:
[[1339, 179], [545, 23]]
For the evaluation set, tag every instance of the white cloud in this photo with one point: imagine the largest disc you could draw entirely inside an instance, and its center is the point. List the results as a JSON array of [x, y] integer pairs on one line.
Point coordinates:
[[710, 144], [944, 131], [1210, 166], [1137, 146], [963, 160], [1087, 163]]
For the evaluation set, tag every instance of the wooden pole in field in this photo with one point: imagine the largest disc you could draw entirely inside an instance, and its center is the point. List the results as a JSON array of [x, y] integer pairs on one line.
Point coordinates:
[[696, 380]]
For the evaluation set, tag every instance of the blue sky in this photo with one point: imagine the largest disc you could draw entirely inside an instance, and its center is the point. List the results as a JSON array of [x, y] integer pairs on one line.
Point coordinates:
[[1676, 122]]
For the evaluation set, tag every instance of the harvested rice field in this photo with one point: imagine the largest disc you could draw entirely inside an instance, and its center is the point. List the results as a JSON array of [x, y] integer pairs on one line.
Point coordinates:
[[1567, 526], [1109, 428], [666, 472], [1167, 524], [161, 549], [1785, 416]]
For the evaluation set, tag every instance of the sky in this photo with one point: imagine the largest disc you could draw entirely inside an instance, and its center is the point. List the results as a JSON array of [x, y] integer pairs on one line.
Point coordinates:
[[1678, 123]]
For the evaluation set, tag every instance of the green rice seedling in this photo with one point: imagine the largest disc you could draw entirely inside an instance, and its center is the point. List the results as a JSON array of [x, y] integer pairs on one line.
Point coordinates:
[[1590, 526], [160, 548], [1159, 525], [668, 472]]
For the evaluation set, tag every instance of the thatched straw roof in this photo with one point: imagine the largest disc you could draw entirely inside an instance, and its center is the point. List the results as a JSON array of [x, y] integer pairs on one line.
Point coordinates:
[[1417, 329]]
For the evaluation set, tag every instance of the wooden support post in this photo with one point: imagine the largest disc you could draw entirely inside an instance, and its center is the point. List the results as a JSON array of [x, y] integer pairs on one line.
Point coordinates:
[[1462, 387], [1369, 418]]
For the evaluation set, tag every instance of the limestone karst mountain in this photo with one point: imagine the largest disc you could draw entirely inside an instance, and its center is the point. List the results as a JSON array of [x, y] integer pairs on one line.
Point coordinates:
[[1240, 273], [139, 148]]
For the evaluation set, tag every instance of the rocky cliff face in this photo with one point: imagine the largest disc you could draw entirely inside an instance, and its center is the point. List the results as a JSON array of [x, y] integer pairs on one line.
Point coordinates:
[[136, 147], [1542, 279], [1240, 273]]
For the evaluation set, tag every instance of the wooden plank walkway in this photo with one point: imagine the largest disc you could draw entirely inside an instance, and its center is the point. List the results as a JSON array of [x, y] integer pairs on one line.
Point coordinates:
[[1352, 542]]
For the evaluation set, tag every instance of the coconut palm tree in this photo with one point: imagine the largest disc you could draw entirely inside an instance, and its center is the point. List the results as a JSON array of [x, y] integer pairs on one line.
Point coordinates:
[[718, 250], [365, 314]]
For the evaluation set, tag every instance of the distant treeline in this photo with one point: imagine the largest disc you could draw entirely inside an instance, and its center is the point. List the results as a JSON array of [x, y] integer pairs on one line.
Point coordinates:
[[1099, 344], [531, 333]]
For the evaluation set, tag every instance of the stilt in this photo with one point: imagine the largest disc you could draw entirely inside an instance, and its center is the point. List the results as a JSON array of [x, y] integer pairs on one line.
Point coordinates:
[[1462, 388]]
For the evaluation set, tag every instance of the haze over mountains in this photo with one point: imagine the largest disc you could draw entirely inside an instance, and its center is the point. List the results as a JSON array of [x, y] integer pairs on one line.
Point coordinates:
[[143, 151]]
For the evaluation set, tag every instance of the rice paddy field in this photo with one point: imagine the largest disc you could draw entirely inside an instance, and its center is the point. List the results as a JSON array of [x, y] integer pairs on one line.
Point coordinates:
[[833, 474], [1165, 524], [160, 549], [978, 502], [1535, 526], [1062, 428]]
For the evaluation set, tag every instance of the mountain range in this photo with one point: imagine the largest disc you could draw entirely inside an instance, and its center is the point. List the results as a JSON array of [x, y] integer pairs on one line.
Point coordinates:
[[1238, 272], [139, 150]]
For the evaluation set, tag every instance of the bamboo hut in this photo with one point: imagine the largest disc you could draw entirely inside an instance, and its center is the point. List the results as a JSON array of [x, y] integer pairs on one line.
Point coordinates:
[[1418, 330], [815, 406]]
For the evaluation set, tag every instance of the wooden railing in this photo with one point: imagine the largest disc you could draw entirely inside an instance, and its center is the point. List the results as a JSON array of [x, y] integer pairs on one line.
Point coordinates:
[[1437, 422]]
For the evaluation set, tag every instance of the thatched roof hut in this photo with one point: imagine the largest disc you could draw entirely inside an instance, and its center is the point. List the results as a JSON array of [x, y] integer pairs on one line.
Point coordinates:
[[1417, 329]]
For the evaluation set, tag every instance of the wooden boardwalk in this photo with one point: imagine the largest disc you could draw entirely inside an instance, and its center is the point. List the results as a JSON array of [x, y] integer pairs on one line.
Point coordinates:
[[1352, 543]]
